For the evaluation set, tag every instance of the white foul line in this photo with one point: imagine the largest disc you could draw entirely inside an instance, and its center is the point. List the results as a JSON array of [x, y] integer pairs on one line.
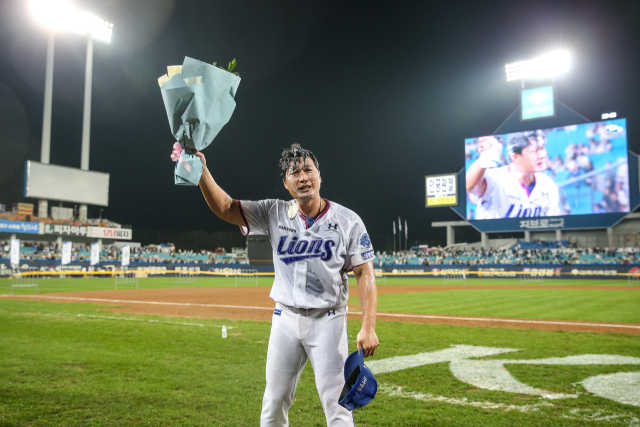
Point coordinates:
[[417, 316], [500, 319]]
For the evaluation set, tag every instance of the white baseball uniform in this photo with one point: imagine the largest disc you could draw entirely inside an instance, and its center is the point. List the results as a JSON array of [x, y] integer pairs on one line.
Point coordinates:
[[505, 197], [311, 291]]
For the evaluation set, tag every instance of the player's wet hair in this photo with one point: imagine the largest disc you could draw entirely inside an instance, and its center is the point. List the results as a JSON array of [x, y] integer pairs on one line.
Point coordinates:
[[520, 140], [293, 154]]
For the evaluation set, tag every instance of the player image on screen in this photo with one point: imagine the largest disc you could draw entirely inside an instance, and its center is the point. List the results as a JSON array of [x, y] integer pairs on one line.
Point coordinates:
[[519, 189]]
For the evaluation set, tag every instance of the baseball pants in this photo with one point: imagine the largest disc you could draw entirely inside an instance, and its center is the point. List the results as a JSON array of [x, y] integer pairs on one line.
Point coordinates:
[[320, 335]]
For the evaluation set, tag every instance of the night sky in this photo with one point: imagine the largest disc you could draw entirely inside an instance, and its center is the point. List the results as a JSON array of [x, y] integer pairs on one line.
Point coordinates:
[[384, 93]]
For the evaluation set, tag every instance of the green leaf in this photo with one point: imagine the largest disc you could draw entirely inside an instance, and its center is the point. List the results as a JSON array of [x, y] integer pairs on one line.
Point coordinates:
[[232, 65]]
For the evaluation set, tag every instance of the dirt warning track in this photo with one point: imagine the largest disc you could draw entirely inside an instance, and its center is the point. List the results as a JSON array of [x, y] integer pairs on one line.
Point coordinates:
[[254, 304]]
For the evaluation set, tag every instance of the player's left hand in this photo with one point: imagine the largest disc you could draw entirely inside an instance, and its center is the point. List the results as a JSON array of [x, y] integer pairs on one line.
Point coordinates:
[[367, 341]]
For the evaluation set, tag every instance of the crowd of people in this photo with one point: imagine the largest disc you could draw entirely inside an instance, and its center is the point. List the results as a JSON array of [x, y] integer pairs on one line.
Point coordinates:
[[563, 255], [166, 254], [611, 186], [520, 254]]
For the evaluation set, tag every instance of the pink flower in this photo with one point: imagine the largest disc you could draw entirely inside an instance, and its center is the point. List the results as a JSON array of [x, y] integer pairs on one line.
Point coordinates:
[[177, 149]]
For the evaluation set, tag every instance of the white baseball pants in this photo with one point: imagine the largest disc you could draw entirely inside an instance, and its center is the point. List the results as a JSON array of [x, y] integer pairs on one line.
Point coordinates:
[[320, 335]]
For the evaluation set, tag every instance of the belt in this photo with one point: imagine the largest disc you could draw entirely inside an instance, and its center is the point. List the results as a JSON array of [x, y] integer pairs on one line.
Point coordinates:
[[307, 310]]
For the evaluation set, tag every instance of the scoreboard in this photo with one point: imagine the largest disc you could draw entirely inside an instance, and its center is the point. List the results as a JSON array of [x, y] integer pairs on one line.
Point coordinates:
[[441, 190]]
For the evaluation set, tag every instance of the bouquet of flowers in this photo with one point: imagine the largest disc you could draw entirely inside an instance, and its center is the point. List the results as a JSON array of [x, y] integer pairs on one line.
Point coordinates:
[[199, 99]]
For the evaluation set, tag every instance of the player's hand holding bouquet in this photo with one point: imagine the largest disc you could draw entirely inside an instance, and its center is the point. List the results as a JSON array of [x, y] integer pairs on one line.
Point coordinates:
[[199, 99], [490, 151]]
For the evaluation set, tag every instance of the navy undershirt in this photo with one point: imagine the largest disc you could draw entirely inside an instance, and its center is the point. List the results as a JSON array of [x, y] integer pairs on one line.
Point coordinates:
[[310, 221], [529, 188]]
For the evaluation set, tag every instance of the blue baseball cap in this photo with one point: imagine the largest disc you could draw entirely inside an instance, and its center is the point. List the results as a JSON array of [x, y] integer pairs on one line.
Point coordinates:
[[360, 385]]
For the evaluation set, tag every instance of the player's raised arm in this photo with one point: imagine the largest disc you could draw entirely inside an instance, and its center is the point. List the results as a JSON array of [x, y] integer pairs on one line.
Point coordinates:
[[475, 179], [218, 200], [368, 294], [475, 182]]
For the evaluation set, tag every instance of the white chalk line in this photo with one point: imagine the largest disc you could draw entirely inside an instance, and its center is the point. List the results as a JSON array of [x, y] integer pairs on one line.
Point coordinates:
[[574, 414], [500, 319], [393, 390], [416, 316], [131, 319]]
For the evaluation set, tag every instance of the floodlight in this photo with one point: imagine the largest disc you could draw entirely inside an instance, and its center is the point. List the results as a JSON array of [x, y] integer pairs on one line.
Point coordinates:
[[56, 15], [545, 66], [61, 15], [609, 116], [96, 27]]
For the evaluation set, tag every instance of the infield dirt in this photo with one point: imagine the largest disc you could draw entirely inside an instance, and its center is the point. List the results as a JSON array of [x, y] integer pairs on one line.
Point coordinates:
[[248, 303]]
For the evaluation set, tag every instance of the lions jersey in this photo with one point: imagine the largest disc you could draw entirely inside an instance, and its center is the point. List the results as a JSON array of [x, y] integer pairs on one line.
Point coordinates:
[[310, 262], [505, 197]]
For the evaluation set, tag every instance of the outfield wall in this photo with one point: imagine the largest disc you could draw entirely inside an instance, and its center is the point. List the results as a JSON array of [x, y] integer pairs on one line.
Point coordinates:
[[582, 271]]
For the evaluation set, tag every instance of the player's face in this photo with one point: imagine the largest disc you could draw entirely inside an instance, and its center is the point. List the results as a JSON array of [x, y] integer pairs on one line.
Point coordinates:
[[534, 157], [303, 180]]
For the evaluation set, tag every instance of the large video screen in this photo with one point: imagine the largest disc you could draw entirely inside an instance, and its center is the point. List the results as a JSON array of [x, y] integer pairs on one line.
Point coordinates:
[[53, 182], [571, 170]]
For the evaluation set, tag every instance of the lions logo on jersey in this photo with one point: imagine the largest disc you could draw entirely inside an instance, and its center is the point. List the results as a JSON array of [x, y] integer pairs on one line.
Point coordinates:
[[365, 241]]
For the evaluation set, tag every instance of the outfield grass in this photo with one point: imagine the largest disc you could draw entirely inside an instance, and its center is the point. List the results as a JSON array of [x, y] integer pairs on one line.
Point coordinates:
[[76, 365], [474, 281], [544, 303], [83, 284], [80, 284]]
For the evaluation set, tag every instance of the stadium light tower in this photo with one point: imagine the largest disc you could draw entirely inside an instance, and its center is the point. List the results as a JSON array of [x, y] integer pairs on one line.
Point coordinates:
[[59, 16], [546, 66]]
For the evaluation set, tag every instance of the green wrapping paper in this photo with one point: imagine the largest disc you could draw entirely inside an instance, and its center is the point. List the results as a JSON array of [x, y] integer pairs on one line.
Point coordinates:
[[199, 100]]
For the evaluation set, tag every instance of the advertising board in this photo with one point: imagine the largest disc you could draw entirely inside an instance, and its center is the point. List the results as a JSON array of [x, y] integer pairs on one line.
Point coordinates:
[[441, 190], [110, 233], [66, 253], [537, 103], [66, 230], [19, 227]]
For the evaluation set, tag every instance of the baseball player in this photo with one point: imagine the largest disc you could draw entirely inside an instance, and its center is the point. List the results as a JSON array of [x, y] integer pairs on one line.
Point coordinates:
[[315, 243], [518, 190]]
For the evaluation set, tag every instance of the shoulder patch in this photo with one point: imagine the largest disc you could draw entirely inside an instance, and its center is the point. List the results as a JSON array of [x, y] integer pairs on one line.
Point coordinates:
[[365, 241]]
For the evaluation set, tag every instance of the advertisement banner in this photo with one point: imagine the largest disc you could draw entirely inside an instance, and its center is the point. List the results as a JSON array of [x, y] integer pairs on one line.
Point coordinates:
[[110, 233], [66, 253], [125, 255], [537, 103], [19, 227], [15, 252], [66, 230], [582, 271], [23, 208], [95, 254]]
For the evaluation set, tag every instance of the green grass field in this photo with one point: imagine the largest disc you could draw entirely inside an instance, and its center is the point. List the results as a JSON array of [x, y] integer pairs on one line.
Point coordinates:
[[79, 365]]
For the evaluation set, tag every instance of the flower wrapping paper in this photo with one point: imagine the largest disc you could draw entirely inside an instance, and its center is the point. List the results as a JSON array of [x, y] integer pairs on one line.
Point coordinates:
[[199, 100]]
